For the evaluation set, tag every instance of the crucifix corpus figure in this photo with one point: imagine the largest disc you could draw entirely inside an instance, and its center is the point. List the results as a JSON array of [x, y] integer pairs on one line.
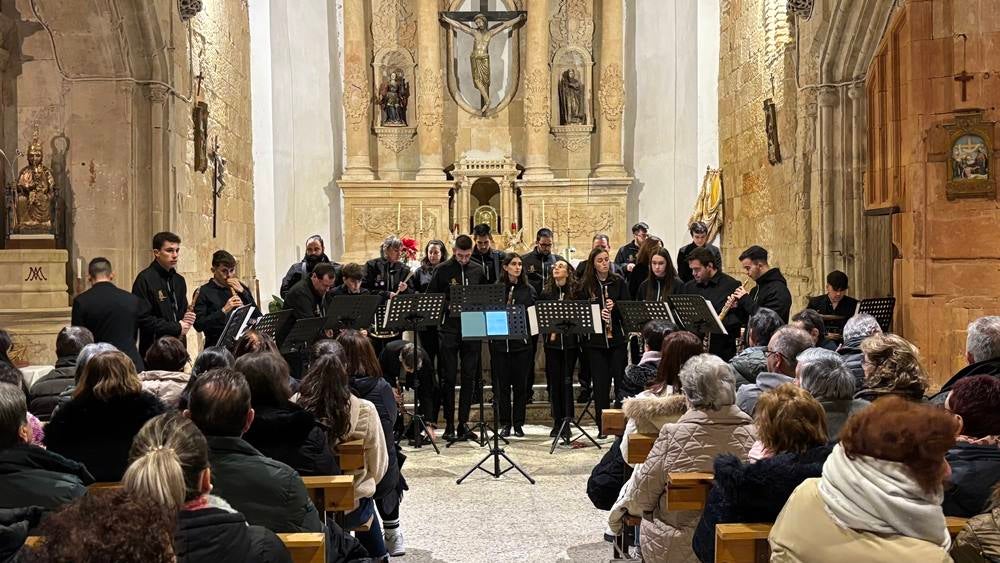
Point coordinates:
[[482, 34]]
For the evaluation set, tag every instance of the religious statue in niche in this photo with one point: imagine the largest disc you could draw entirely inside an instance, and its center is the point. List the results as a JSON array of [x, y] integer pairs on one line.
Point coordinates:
[[34, 194], [479, 59], [969, 159], [771, 129], [393, 97], [571, 105]]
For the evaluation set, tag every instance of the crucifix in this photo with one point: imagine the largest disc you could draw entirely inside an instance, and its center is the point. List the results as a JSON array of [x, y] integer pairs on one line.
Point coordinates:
[[218, 181], [482, 34], [964, 77]]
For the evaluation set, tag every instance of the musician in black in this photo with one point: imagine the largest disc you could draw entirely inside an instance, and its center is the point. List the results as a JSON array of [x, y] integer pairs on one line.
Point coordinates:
[[458, 270], [600, 240], [771, 290], [385, 276], [627, 254], [435, 252], [315, 254], [219, 297], [538, 263], [662, 279], [509, 358], [351, 275], [307, 298], [485, 255], [164, 291], [605, 352], [716, 287], [561, 350], [835, 302], [699, 239]]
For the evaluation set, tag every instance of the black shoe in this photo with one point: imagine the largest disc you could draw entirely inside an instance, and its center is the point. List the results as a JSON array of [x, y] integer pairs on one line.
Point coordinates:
[[554, 432], [583, 396], [602, 436], [449, 434], [519, 432], [465, 434], [567, 435], [505, 432]]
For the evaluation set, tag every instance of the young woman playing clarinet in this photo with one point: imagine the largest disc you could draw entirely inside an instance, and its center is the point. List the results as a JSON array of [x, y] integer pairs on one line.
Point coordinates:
[[511, 358]]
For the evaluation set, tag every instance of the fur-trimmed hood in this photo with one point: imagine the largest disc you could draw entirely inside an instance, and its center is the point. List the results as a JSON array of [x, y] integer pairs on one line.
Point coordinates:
[[651, 407]]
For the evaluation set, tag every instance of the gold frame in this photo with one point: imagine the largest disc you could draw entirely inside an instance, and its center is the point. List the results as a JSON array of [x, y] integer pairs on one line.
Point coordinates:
[[971, 124]]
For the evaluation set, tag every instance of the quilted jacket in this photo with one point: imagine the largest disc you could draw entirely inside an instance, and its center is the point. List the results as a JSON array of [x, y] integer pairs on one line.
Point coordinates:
[[979, 541], [690, 444], [166, 385], [647, 412]]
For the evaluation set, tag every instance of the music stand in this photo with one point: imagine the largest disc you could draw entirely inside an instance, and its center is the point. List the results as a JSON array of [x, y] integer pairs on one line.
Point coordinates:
[[344, 311], [276, 325], [516, 327], [302, 335], [568, 318], [881, 308], [635, 314], [694, 314], [463, 297], [413, 312], [236, 324]]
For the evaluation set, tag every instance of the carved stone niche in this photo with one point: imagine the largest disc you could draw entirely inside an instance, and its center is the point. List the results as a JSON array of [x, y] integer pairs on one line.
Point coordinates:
[[394, 77], [965, 147], [573, 67]]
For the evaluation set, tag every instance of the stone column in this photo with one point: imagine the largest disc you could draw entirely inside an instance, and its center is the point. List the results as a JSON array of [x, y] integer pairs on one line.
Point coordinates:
[[828, 100], [611, 92], [357, 93], [536, 92], [429, 85]]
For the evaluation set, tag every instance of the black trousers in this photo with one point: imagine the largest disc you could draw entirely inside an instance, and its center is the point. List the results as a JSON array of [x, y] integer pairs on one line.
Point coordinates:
[[429, 391], [530, 373], [509, 372], [558, 367], [607, 365], [453, 349], [584, 376]]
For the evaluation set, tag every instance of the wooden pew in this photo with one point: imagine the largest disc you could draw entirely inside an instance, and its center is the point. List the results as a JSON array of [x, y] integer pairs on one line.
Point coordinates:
[[351, 455], [687, 491], [331, 493], [639, 446], [747, 543], [613, 422], [305, 548]]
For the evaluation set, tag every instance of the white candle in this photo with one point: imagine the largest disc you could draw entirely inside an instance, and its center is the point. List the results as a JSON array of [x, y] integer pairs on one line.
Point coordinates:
[[399, 209], [543, 212], [421, 216]]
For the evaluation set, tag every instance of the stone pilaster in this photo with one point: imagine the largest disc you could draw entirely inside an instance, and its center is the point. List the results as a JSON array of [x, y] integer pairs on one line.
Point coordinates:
[[430, 111], [536, 92], [611, 92], [357, 92]]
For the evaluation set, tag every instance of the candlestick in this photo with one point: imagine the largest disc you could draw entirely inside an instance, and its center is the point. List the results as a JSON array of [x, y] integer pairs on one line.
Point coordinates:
[[399, 209], [543, 212], [421, 217]]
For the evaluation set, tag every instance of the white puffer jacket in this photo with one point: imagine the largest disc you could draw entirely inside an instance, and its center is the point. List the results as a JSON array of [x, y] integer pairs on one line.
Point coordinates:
[[647, 412]]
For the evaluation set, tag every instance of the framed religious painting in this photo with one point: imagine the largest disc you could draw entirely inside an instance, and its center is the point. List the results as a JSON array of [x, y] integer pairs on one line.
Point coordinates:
[[970, 158]]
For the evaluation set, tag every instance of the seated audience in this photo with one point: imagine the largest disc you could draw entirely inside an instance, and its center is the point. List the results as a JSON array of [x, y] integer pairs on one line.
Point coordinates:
[[712, 425], [13, 376], [281, 429], [749, 363], [164, 376], [638, 375], [44, 392], [30, 475], [210, 358], [88, 352], [835, 301], [979, 540], [662, 401], [97, 425], [783, 349], [880, 494], [169, 464], [812, 322], [982, 352], [892, 367], [856, 329], [823, 374], [253, 341], [266, 491], [326, 393], [15, 526], [112, 526], [975, 458], [791, 427]]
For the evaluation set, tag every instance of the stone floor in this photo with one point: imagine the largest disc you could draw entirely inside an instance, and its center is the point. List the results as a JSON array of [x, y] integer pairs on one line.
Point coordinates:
[[505, 519]]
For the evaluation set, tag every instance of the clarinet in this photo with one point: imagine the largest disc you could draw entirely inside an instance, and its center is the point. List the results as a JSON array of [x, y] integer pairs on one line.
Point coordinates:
[[607, 325]]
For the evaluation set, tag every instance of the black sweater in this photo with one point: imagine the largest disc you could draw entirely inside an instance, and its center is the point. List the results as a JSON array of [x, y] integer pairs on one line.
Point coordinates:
[[165, 291], [208, 307], [450, 273]]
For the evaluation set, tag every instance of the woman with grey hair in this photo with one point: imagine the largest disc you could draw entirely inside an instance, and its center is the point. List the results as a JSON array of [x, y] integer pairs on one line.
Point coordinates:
[[712, 425], [825, 376], [88, 352], [858, 328]]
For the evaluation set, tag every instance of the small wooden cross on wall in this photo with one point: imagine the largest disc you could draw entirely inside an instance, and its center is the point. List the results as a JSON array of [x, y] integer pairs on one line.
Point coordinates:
[[964, 77]]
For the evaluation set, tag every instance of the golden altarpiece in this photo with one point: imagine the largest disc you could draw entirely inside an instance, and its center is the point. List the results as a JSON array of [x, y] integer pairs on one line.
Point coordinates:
[[466, 111]]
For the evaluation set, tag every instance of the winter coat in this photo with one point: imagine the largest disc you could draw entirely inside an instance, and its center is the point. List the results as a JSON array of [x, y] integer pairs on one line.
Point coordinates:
[[975, 469], [805, 532], [301, 269], [608, 477], [637, 376], [165, 385], [165, 293], [747, 396], [15, 526], [837, 413], [291, 435], [647, 412], [748, 364], [366, 426], [752, 492], [220, 534], [378, 392], [986, 367], [33, 476], [771, 292], [99, 433], [854, 360], [44, 394], [688, 445], [979, 540], [266, 491]]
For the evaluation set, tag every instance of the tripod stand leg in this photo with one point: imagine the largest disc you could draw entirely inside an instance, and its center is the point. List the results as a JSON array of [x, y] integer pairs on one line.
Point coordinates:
[[563, 428], [586, 411], [419, 428], [515, 466]]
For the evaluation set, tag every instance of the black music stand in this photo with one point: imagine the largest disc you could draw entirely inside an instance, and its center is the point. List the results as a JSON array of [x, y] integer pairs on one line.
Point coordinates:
[[276, 325], [568, 318], [345, 311], [466, 297], [693, 314], [236, 325], [517, 327], [881, 308], [412, 312], [635, 314], [302, 335]]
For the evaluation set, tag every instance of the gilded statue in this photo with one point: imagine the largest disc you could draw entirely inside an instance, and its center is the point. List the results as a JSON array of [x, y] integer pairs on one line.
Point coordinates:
[[35, 194], [393, 97], [479, 60], [571, 110]]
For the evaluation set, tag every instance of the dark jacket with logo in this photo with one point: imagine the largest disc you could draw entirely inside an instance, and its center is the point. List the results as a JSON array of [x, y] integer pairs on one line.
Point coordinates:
[[220, 535], [771, 292], [661, 289], [985, 367], [208, 307], [44, 394], [114, 316], [450, 273], [302, 269], [492, 263], [717, 290], [538, 268], [304, 302], [523, 294], [165, 291], [627, 254], [99, 433], [33, 476], [291, 435], [268, 492], [382, 277], [684, 270], [975, 469]]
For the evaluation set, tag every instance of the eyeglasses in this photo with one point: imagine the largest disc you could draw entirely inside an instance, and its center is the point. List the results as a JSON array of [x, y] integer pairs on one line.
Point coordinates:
[[770, 353]]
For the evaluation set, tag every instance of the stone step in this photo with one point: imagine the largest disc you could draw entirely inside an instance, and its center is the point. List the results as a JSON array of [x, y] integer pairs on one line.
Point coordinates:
[[537, 412]]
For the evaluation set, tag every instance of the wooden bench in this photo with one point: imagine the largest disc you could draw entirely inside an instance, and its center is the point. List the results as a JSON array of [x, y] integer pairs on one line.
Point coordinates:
[[351, 455], [639, 446], [331, 493], [688, 491], [747, 543], [613, 422], [305, 548], [103, 487]]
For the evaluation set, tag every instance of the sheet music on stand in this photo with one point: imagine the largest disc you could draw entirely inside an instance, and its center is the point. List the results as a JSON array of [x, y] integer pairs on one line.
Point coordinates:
[[276, 325], [636, 314], [236, 325], [414, 311], [563, 315], [348, 311], [462, 295], [491, 321], [881, 308], [696, 314]]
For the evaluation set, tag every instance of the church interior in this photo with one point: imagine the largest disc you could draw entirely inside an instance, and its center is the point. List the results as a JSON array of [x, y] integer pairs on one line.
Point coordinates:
[[812, 168]]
